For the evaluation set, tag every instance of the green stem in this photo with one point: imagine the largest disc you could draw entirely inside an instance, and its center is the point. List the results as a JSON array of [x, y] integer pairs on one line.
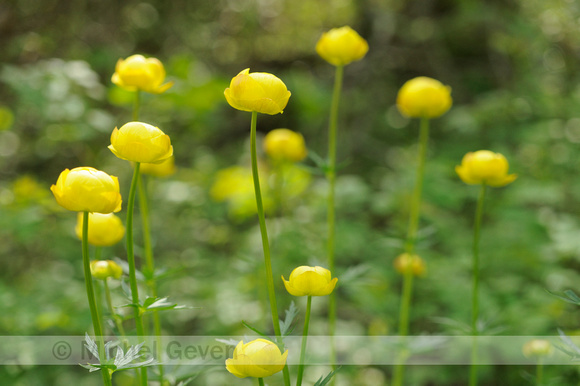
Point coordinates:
[[304, 339], [539, 372], [475, 291], [131, 261], [265, 242], [407, 293], [261, 381], [331, 177], [136, 105], [91, 297], [118, 323]]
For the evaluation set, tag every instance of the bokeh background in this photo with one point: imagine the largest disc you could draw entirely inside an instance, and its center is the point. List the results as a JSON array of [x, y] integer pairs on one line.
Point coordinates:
[[514, 69]]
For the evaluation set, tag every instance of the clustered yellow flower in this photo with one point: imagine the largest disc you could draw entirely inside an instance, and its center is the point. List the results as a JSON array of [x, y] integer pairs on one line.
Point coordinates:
[[424, 97], [485, 167], [141, 142], [137, 73], [285, 145], [310, 281], [104, 229], [259, 358], [257, 91], [341, 46], [86, 189], [103, 269], [405, 262]]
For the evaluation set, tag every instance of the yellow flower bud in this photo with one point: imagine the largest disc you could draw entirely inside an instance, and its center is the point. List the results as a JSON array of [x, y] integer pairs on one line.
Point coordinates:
[[341, 46], [285, 145], [485, 167], [162, 169], [311, 281], [537, 348], [257, 91], [404, 262], [424, 97], [86, 189], [140, 73], [259, 358], [102, 269], [104, 229], [141, 142]]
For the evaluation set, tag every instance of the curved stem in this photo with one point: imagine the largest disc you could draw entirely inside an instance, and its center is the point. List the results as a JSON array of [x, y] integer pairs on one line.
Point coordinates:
[[265, 242], [304, 339], [91, 298]]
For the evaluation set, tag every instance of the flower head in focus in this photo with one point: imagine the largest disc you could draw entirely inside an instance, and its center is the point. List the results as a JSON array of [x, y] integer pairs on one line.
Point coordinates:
[[259, 358], [103, 269], [285, 145], [140, 73], [141, 142], [404, 262], [341, 46], [162, 169], [485, 167], [310, 281], [104, 229], [424, 97], [257, 91], [86, 189]]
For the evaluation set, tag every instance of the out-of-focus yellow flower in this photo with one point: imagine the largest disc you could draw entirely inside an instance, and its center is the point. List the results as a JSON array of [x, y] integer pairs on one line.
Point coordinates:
[[141, 142], [295, 180], [485, 167], [104, 229], [86, 189], [537, 348], [26, 189], [424, 97], [162, 169], [259, 358], [257, 91], [140, 73], [285, 145], [341, 46], [311, 281], [404, 262], [102, 269]]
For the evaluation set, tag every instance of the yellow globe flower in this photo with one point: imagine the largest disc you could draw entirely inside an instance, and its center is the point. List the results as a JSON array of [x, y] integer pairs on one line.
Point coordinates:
[[285, 145], [341, 46], [259, 358], [537, 348], [103, 269], [257, 91], [311, 281], [104, 229], [140, 73], [86, 189], [162, 169], [485, 167], [424, 97], [404, 262], [141, 142]]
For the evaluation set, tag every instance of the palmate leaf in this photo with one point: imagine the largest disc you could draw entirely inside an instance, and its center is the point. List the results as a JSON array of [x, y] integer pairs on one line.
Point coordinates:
[[122, 361], [286, 327], [569, 296], [322, 382], [575, 353]]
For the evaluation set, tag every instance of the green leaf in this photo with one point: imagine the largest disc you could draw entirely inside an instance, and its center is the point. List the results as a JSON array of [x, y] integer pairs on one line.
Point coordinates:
[[322, 382], [570, 297], [255, 330], [286, 327]]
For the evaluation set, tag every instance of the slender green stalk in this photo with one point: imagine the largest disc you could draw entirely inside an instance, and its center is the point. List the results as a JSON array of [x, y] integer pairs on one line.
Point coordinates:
[[475, 292], [407, 294], [91, 297], [118, 322], [304, 339], [136, 105], [261, 381], [539, 372], [331, 177], [131, 261], [265, 242]]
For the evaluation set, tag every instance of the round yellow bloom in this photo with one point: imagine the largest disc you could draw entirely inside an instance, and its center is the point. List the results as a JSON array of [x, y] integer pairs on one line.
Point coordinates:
[[341, 46], [311, 281], [140, 73], [259, 358], [424, 97], [404, 262], [104, 229], [102, 269], [162, 169], [141, 142], [537, 348], [257, 91], [285, 145], [86, 189], [485, 167]]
